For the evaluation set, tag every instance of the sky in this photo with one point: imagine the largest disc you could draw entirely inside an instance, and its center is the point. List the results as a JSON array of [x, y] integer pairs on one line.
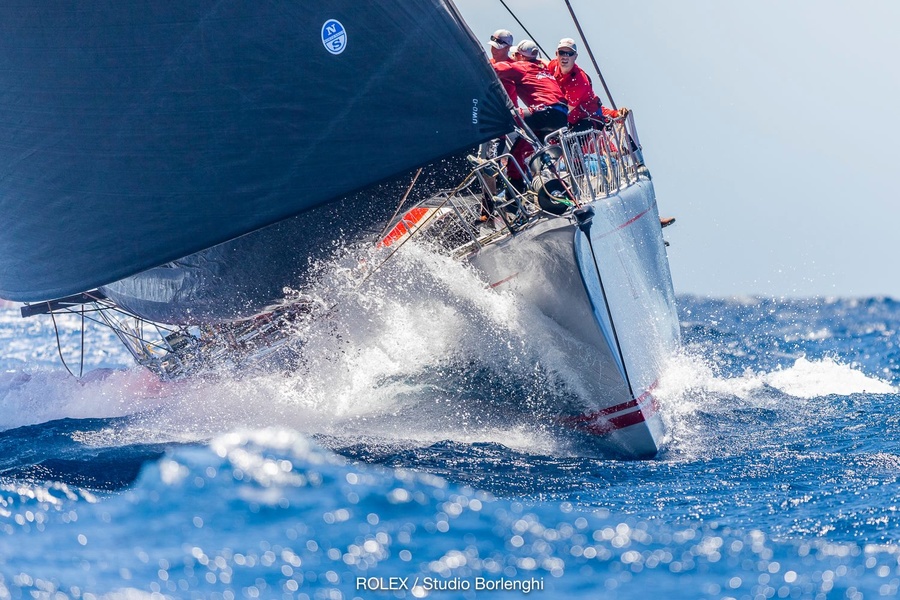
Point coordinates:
[[770, 129]]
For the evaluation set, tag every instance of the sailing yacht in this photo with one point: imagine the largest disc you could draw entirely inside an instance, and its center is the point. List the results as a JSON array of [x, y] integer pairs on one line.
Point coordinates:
[[175, 166]]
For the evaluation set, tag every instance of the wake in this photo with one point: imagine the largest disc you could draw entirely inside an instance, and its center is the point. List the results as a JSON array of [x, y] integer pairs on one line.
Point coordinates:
[[422, 352], [707, 413]]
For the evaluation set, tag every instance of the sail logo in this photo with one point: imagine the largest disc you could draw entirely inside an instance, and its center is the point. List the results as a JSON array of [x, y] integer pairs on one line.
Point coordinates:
[[475, 111], [334, 36]]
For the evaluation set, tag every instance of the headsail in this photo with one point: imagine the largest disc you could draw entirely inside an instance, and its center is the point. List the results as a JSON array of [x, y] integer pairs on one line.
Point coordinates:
[[135, 132]]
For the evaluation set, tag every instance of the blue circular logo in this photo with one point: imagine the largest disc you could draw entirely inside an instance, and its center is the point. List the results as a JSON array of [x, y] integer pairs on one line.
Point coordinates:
[[334, 36]]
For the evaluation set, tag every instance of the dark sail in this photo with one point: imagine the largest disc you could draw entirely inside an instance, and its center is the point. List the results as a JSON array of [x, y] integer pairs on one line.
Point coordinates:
[[136, 132], [247, 275]]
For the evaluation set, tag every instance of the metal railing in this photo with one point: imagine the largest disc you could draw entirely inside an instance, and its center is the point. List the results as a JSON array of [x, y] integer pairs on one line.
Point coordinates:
[[482, 209], [599, 162], [590, 165]]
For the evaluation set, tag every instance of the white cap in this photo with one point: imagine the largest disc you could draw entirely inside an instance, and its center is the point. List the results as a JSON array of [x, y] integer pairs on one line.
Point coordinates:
[[567, 43], [501, 39], [527, 48]]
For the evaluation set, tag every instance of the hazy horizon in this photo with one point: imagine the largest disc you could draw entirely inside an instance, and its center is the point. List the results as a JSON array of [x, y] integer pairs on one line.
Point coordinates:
[[768, 128]]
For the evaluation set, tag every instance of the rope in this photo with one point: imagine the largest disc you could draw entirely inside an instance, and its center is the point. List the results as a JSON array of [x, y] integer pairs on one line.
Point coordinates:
[[59, 343], [566, 187], [81, 366]]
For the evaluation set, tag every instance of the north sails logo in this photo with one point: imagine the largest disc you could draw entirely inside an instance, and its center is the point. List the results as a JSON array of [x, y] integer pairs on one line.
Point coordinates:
[[334, 36]]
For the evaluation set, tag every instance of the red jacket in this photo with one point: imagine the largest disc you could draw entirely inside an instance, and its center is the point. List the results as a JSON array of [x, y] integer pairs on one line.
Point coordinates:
[[509, 86], [533, 83], [580, 96]]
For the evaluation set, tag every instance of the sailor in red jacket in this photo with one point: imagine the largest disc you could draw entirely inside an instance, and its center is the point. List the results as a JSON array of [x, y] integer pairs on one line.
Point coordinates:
[[545, 105], [585, 109], [501, 43]]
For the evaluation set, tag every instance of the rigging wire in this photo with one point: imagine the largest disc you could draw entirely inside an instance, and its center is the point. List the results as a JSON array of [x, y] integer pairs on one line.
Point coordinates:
[[528, 33], [402, 202], [111, 308], [456, 190], [587, 47]]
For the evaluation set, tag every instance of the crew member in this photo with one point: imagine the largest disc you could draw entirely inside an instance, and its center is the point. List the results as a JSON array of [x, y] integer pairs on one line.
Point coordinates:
[[501, 42], [544, 108], [585, 109]]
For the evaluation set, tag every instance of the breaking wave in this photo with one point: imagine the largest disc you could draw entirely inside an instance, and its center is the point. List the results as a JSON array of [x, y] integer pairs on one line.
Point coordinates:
[[420, 354]]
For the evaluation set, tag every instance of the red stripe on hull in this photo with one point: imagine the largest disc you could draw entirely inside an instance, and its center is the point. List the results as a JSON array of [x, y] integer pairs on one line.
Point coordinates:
[[502, 281], [628, 222], [598, 423], [602, 235]]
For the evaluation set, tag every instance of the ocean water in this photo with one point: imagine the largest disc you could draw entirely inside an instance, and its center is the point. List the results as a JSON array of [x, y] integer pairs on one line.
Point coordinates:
[[406, 458]]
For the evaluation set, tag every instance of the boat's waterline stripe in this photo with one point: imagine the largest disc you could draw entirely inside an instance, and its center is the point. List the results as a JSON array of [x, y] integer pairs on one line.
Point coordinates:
[[598, 423]]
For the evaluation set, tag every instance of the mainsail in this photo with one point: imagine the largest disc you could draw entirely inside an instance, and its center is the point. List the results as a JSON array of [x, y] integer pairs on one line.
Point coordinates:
[[136, 132]]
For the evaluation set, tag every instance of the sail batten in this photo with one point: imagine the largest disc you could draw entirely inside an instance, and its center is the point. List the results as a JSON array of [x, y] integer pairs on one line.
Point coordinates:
[[136, 132]]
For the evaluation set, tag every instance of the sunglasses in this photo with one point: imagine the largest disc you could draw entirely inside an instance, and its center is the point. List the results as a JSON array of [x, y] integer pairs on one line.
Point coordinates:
[[499, 41], [566, 53]]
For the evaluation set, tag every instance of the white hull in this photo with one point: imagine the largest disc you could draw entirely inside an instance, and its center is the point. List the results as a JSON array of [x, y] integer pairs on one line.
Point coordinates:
[[608, 286]]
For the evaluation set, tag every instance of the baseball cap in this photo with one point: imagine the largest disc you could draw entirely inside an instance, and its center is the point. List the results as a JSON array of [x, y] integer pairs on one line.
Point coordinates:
[[527, 48], [567, 43], [501, 39]]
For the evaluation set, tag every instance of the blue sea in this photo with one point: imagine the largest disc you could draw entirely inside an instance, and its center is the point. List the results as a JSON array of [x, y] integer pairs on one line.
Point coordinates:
[[402, 459]]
